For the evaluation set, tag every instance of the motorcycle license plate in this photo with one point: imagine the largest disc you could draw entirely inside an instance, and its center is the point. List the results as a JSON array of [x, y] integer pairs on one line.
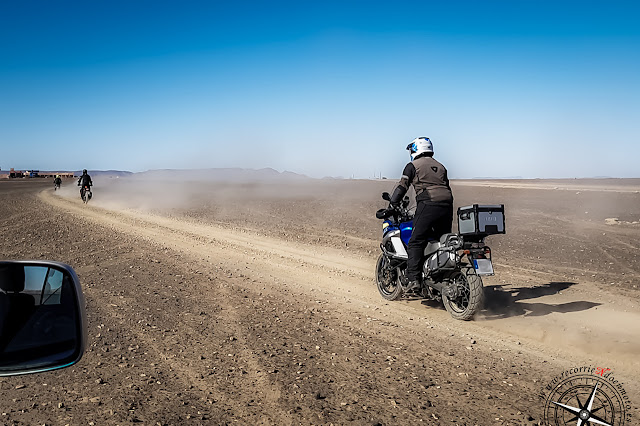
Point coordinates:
[[483, 266]]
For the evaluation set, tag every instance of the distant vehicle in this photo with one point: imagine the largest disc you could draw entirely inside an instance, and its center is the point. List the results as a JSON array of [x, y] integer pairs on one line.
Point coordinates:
[[42, 317], [454, 265], [56, 183]]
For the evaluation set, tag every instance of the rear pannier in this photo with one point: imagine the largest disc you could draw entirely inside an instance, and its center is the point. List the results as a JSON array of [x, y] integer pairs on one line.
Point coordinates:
[[481, 220]]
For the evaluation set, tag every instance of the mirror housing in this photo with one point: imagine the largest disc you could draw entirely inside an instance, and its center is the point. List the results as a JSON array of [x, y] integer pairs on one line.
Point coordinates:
[[386, 196], [43, 323]]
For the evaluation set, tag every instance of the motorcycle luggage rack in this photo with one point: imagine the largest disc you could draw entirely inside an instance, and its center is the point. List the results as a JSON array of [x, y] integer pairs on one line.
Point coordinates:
[[478, 221]]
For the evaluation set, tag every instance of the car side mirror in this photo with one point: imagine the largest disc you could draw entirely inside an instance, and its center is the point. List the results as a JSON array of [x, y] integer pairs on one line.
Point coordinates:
[[43, 322], [386, 196]]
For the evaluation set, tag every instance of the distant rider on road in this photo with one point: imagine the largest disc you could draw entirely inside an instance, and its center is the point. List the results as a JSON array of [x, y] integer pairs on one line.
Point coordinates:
[[57, 181], [84, 180], [434, 212]]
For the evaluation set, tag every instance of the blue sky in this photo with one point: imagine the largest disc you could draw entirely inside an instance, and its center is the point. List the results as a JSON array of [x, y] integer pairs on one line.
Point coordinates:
[[503, 88]]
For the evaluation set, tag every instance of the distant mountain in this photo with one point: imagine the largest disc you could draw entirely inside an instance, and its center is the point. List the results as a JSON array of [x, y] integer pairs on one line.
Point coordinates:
[[234, 174], [493, 178], [222, 174], [113, 173]]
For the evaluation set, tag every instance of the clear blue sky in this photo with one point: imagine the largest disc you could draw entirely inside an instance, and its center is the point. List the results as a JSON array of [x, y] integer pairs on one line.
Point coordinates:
[[503, 88]]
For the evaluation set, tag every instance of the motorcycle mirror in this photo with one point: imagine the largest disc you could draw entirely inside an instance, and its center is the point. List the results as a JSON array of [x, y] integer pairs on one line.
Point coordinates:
[[386, 196], [43, 322]]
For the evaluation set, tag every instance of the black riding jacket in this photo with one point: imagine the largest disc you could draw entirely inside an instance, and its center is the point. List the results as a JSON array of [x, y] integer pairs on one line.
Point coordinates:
[[85, 180], [429, 179]]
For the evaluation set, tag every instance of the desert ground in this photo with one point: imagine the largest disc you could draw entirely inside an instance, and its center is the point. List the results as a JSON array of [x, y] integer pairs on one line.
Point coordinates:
[[254, 303]]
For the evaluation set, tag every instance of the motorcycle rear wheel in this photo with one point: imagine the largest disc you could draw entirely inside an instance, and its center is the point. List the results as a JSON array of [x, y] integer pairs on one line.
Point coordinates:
[[387, 279], [470, 295]]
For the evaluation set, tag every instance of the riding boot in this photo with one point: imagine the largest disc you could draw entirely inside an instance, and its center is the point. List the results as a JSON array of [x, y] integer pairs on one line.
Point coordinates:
[[413, 286]]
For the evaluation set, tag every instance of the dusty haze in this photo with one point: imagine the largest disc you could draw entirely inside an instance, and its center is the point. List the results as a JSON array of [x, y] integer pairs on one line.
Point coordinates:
[[558, 222]]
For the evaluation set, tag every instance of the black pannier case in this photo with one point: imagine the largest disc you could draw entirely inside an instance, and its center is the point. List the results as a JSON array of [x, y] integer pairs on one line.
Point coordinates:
[[481, 220]]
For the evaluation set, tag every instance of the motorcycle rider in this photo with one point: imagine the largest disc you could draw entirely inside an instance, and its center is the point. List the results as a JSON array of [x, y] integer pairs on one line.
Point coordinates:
[[434, 210], [85, 180], [57, 181]]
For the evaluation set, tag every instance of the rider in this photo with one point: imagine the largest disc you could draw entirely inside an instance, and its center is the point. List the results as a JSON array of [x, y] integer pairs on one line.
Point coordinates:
[[57, 181], [434, 212], [84, 180]]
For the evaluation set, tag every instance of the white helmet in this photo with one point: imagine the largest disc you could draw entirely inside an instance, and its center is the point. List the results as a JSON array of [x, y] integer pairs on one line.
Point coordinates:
[[419, 146]]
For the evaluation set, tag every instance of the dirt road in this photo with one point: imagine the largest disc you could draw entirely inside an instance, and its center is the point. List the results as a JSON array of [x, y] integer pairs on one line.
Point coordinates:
[[205, 322]]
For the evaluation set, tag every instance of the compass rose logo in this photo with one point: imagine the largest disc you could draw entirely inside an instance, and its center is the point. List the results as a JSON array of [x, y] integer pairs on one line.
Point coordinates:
[[586, 396], [585, 414]]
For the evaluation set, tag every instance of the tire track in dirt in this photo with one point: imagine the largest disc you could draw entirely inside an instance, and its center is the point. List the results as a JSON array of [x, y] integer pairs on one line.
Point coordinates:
[[606, 253], [194, 377], [274, 257], [615, 240], [270, 392], [604, 250]]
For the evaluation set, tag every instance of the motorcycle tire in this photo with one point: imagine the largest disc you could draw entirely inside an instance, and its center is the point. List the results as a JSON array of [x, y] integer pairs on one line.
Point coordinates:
[[470, 295], [387, 280]]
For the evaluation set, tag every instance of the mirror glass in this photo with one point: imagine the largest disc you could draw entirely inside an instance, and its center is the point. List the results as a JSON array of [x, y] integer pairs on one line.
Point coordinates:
[[41, 323]]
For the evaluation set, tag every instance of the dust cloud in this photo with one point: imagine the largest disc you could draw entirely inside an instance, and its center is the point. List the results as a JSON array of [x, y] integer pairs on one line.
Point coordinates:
[[562, 231], [275, 202]]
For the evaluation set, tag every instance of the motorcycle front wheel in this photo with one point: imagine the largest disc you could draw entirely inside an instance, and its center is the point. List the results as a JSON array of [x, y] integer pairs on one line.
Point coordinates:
[[387, 279], [469, 295]]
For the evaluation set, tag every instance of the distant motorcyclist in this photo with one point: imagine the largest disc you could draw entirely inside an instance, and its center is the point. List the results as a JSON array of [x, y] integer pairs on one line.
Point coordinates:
[[57, 182], [84, 181], [434, 211]]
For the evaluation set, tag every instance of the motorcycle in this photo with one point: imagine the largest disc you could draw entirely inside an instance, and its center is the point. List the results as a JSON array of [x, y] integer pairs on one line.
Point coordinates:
[[85, 193], [56, 185], [453, 266]]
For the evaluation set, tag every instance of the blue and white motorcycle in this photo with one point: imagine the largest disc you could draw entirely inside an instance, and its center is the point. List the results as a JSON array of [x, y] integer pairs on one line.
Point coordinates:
[[453, 266]]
